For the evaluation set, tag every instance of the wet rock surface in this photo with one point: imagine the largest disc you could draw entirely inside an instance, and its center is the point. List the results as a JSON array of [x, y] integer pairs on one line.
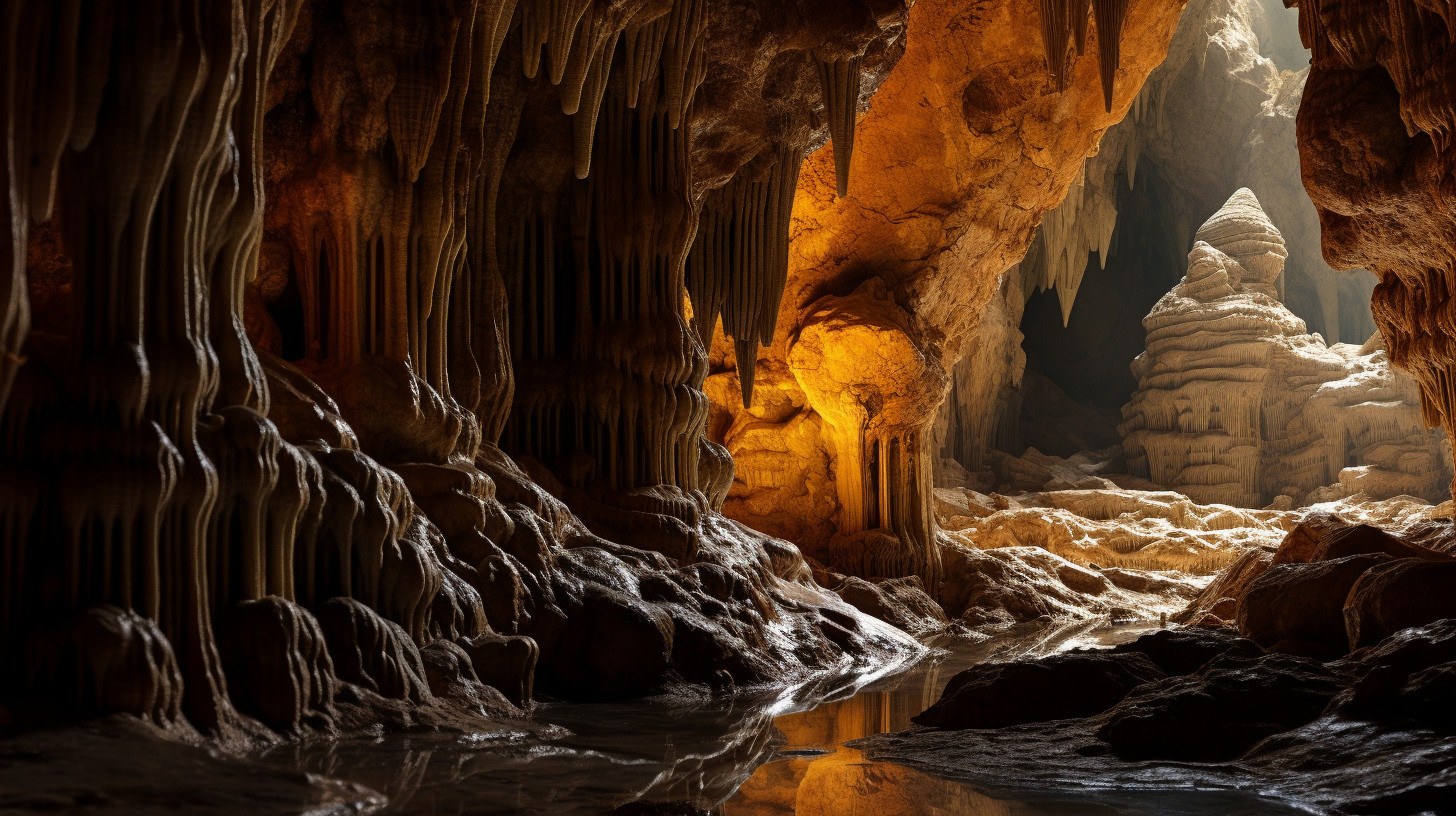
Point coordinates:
[[1301, 708], [1185, 651], [1220, 711], [1002, 694]]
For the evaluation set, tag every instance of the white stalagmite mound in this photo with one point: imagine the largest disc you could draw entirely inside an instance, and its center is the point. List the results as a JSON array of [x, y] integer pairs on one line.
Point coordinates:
[[1237, 404]]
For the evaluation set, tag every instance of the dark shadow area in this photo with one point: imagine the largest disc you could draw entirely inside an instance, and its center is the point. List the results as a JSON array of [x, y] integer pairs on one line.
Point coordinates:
[[1087, 359]]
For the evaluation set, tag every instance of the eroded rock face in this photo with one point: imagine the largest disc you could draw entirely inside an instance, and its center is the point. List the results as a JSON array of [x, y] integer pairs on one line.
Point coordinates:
[[1374, 128], [1237, 404], [360, 333]]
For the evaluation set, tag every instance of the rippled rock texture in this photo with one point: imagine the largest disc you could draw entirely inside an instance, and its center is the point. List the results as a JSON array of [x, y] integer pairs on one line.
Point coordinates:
[[1237, 404], [344, 367], [1374, 134]]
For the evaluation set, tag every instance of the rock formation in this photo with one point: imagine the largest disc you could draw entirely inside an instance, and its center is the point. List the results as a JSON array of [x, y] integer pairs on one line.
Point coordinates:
[[1374, 136], [1237, 404], [967, 142], [1328, 696], [344, 361], [1217, 115]]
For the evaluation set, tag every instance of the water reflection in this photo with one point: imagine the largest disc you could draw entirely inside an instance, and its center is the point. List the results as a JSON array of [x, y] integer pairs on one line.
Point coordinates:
[[813, 775], [771, 754]]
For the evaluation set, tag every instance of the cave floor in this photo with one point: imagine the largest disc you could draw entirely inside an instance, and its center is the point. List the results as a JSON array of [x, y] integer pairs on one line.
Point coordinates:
[[780, 752]]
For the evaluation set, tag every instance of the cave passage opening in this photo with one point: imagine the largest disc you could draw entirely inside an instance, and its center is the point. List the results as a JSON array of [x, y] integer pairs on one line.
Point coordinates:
[[1217, 116]]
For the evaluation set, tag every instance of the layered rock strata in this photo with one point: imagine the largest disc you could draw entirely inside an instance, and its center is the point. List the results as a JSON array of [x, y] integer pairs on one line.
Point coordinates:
[[1238, 405]]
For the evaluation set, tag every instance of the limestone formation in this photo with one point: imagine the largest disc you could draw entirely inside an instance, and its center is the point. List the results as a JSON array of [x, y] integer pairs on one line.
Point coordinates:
[[1217, 115], [344, 363], [886, 285], [1374, 135], [1237, 405]]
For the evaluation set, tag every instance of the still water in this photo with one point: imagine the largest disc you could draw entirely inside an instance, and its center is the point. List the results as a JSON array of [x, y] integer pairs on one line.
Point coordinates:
[[781, 754]]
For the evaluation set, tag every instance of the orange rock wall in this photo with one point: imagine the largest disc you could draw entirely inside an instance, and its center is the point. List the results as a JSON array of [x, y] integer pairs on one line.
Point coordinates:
[[960, 153]]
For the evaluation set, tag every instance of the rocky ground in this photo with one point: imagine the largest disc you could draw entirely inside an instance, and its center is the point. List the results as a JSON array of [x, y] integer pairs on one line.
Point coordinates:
[[1331, 688]]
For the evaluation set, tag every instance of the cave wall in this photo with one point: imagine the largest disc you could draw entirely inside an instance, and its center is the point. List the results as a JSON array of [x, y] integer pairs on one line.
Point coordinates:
[[968, 142], [345, 354], [1374, 136]]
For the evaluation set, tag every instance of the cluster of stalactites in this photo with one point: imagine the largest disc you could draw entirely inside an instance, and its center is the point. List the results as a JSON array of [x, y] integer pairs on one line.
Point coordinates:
[[607, 364], [580, 38], [1064, 29], [739, 262]]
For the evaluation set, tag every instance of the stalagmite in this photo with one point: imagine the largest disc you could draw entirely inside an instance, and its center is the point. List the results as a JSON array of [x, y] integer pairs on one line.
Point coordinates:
[[1237, 405]]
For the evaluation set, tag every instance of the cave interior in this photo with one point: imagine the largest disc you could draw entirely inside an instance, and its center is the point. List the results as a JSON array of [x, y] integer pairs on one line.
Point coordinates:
[[727, 406]]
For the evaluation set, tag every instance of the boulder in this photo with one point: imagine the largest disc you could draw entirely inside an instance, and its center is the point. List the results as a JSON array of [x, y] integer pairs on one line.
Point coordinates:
[[1058, 687], [1221, 711], [1185, 651], [1399, 595], [1301, 606]]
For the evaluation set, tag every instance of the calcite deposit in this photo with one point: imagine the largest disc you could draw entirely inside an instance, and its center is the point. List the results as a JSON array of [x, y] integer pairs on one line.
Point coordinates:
[[1237, 404], [978, 131], [346, 375]]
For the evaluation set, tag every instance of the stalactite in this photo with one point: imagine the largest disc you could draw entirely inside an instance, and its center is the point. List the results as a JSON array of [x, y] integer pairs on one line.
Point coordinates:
[[1064, 30], [1110, 14], [840, 81], [643, 56], [1055, 25], [494, 25], [739, 263], [684, 57]]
